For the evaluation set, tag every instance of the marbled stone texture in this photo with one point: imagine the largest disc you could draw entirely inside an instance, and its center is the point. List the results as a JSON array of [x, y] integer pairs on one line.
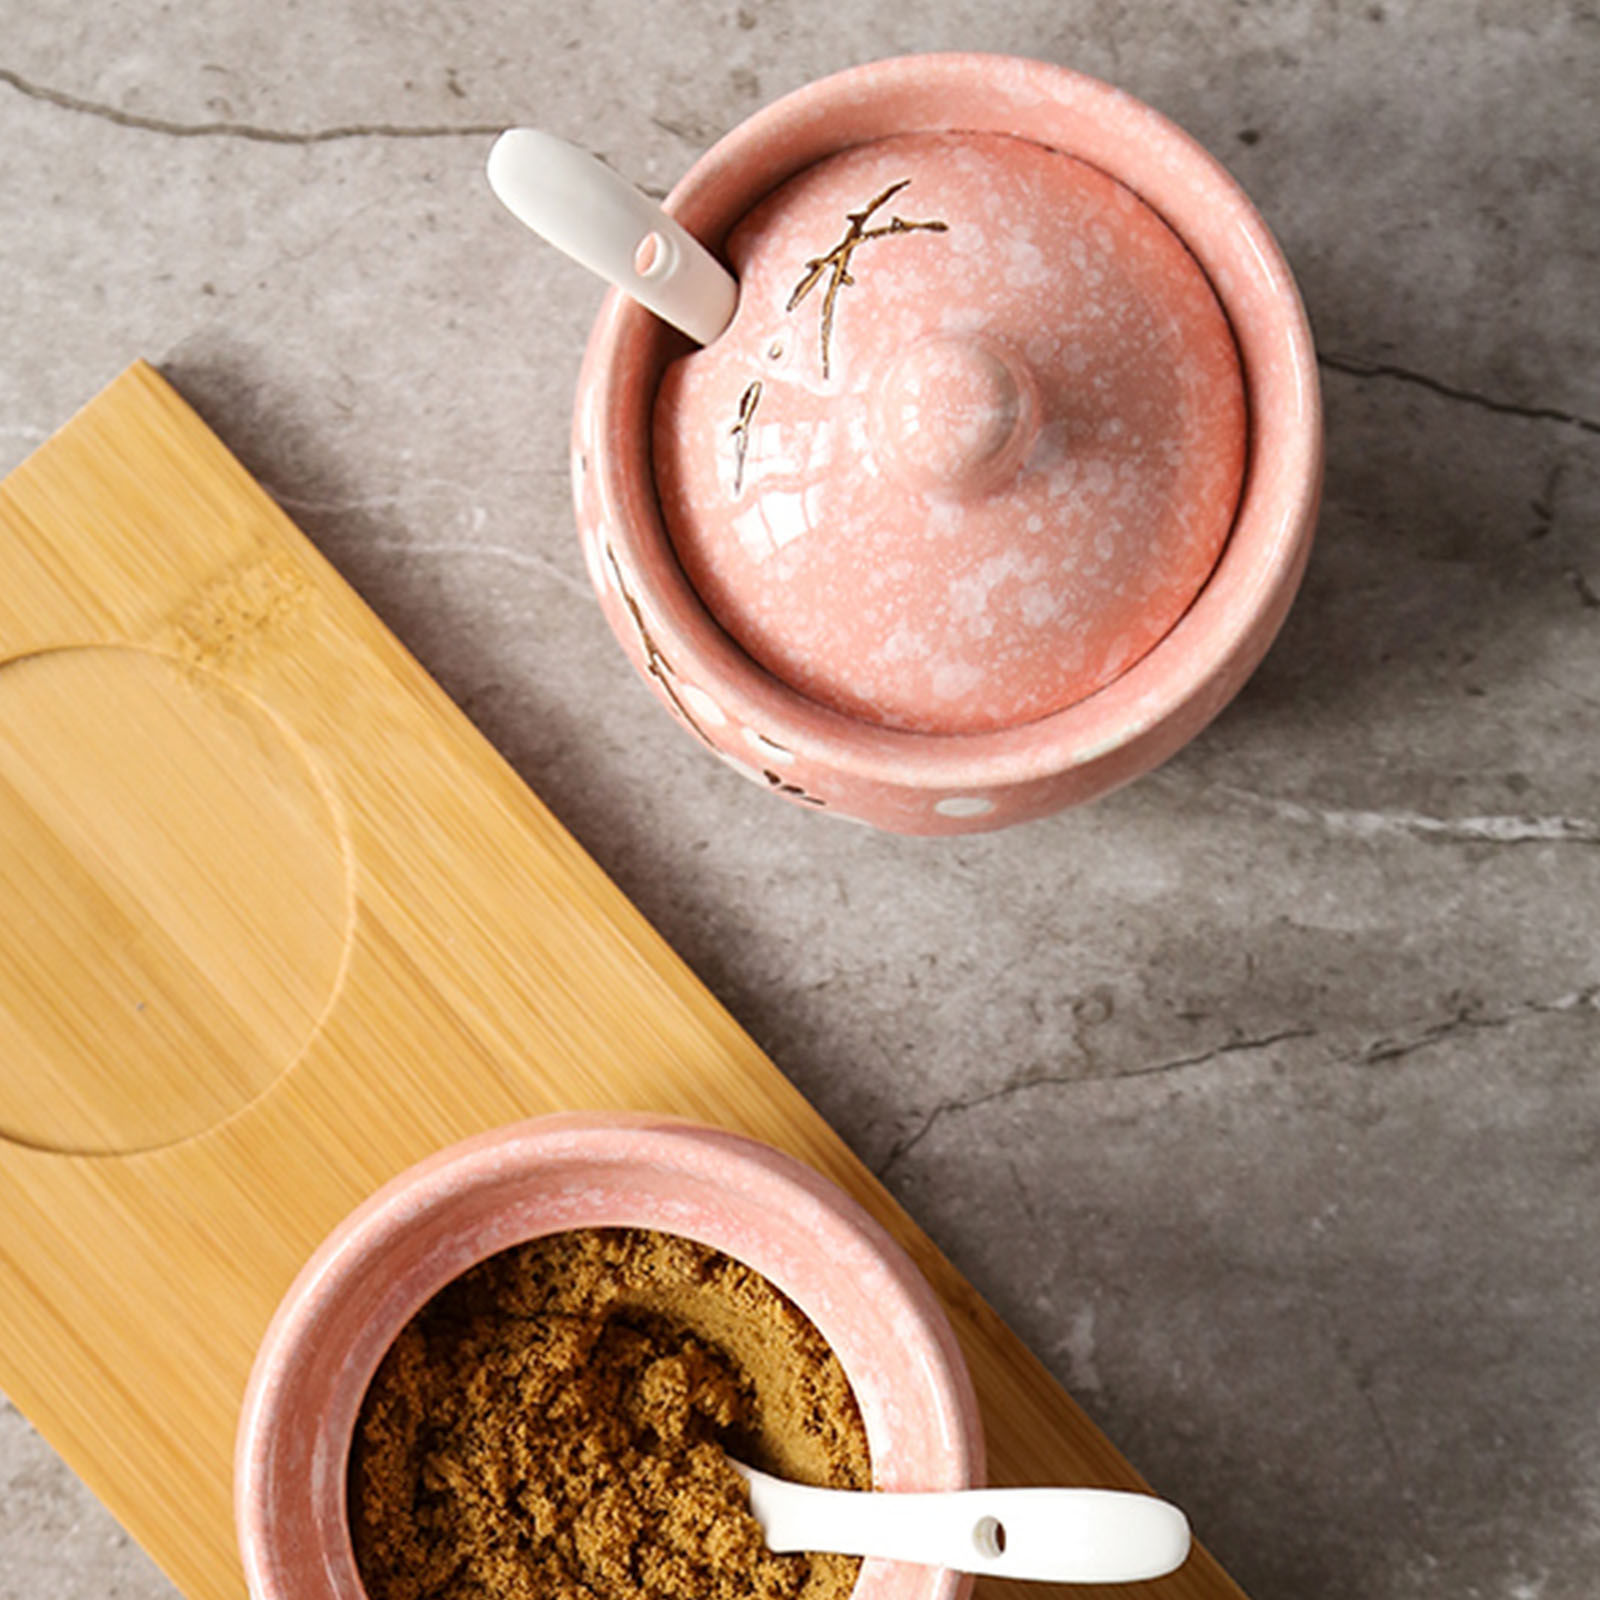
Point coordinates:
[[1260, 1097]]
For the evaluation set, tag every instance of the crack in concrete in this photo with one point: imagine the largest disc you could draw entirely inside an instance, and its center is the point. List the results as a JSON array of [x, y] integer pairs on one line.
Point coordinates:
[[1566, 689], [1232, 1048], [1543, 505], [1392, 1048], [1361, 1380], [902, 1147], [1022, 1193], [1489, 829], [1397, 1047], [1355, 368], [242, 130], [1364, 1389], [1587, 597]]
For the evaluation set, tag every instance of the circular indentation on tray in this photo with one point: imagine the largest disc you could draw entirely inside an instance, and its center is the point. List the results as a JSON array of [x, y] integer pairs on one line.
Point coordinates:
[[177, 900]]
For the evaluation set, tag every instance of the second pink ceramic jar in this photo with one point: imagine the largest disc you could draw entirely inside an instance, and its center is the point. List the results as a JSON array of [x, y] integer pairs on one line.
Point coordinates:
[[896, 777], [430, 1224]]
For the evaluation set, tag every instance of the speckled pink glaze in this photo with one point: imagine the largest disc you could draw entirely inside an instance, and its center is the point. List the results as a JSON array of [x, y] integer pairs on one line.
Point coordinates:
[[430, 1224], [903, 780], [1014, 472]]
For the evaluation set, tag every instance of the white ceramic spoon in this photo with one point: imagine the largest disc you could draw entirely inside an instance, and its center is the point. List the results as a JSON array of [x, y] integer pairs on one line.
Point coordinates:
[[1055, 1535], [599, 219]]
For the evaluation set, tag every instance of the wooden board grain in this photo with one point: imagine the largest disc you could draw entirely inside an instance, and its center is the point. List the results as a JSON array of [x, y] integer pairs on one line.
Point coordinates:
[[279, 922]]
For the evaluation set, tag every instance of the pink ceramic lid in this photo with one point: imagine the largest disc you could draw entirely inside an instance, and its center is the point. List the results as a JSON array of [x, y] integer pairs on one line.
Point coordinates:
[[972, 443]]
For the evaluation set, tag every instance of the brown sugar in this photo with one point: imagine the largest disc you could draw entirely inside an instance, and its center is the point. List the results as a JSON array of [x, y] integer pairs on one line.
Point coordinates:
[[556, 1425]]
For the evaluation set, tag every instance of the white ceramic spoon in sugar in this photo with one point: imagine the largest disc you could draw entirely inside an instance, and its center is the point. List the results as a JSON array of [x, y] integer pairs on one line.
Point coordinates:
[[582, 207], [1053, 1535]]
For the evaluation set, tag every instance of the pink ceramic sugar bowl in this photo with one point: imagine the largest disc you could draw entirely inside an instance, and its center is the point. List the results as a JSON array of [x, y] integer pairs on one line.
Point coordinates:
[[433, 1222], [998, 468]]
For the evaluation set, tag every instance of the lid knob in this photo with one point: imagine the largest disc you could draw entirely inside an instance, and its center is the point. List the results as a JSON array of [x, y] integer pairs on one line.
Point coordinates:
[[954, 415]]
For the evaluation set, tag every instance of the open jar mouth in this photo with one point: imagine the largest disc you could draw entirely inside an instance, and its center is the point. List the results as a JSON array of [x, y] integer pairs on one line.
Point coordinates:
[[1185, 678], [551, 1175]]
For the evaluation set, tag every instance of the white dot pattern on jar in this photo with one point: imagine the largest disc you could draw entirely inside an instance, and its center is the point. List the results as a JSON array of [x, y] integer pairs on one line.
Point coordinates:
[[964, 805], [702, 705], [773, 752]]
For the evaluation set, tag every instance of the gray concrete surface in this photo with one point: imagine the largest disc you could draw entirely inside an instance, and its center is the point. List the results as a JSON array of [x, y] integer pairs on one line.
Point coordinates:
[[1261, 1097]]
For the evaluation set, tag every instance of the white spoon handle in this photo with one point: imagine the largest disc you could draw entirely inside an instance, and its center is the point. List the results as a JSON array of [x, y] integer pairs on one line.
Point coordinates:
[[1056, 1535], [582, 207]]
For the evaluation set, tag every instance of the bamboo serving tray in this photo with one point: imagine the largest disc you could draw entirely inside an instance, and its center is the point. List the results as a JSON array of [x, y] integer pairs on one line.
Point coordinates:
[[276, 922]]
